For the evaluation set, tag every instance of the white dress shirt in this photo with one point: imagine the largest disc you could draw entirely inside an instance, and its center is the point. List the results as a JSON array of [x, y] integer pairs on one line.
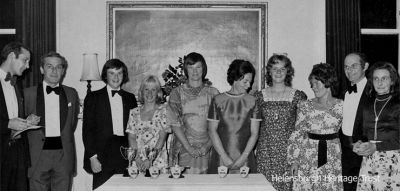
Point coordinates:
[[52, 112], [350, 106], [9, 95], [117, 112]]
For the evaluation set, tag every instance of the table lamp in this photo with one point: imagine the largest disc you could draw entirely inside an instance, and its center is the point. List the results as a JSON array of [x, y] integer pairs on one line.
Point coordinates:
[[90, 69]]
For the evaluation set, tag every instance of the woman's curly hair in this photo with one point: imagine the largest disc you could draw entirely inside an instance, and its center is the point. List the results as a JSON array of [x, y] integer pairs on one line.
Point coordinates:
[[326, 74]]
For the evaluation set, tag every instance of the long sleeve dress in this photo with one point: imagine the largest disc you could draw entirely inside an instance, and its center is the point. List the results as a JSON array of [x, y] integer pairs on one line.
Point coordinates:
[[303, 150], [381, 170]]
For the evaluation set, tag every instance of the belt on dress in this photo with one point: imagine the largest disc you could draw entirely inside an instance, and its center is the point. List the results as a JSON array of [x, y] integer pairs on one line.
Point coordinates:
[[322, 146]]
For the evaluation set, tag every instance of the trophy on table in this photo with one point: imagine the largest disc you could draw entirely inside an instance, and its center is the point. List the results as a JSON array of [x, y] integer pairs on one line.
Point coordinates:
[[130, 154], [244, 171], [176, 170], [150, 154]]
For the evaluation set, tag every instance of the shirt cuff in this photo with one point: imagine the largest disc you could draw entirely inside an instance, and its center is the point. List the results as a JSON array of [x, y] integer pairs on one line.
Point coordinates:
[[94, 156]]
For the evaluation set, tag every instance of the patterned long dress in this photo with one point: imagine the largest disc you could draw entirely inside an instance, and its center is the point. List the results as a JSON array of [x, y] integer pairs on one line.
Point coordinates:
[[279, 117], [303, 151], [191, 106], [147, 134], [234, 114]]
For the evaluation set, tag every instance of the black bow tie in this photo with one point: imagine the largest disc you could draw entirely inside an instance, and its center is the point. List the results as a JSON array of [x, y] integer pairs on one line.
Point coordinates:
[[113, 92], [55, 89], [12, 79], [352, 88]]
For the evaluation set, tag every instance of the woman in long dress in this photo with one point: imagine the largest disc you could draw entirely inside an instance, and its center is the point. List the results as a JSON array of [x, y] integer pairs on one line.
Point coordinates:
[[379, 142], [234, 121], [278, 107], [314, 148], [148, 126], [190, 102]]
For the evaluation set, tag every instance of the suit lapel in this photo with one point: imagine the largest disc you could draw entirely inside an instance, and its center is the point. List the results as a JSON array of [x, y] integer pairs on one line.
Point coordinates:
[[125, 108], [3, 106], [107, 106], [63, 108], [40, 106], [20, 101]]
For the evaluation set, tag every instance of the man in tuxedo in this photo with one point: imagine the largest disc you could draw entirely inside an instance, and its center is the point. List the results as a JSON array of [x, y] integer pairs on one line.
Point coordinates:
[[355, 66], [14, 151], [52, 148], [105, 117]]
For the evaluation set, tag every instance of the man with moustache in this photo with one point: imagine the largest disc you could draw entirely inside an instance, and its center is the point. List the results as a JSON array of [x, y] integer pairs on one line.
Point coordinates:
[[52, 148], [105, 117], [14, 151], [355, 66]]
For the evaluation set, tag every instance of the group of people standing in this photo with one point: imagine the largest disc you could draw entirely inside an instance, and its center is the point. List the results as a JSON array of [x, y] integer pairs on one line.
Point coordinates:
[[37, 124], [323, 143]]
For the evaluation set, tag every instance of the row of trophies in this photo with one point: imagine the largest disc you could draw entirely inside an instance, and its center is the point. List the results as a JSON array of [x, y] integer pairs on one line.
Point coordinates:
[[150, 154], [176, 170]]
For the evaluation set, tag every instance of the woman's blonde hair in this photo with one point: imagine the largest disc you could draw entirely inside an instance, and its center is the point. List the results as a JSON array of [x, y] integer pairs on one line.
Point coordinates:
[[151, 79]]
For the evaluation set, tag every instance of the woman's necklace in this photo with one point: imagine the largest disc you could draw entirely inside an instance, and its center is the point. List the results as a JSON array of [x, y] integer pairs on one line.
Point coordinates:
[[377, 116], [195, 90]]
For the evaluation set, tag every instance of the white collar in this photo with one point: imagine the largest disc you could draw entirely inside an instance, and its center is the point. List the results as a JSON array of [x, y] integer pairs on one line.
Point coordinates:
[[109, 88], [361, 84], [46, 84], [3, 74]]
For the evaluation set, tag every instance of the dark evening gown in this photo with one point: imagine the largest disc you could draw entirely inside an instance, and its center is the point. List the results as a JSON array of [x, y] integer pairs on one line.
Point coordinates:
[[234, 114], [381, 170], [279, 117]]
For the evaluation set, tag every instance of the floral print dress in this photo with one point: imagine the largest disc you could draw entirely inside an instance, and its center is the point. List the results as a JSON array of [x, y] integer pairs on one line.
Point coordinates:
[[147, 133], [303, 151], [278, 120]]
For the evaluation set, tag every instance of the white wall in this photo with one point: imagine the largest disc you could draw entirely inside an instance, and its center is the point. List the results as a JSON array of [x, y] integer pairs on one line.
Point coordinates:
[[296, 27]]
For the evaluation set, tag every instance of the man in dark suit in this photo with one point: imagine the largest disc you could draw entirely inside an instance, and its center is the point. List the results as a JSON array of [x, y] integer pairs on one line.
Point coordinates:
[[355, 66], [52, 148], [105, 117], [14, 151]]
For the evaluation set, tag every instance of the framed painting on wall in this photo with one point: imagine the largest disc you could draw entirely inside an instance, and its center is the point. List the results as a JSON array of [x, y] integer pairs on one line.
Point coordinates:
[[150, 36]]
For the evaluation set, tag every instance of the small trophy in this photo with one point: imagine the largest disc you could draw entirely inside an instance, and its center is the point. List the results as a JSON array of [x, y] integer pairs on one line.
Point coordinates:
[[154, 172], [222, 171], [130, 154], [176, 170], [244, 171], [149, 154]]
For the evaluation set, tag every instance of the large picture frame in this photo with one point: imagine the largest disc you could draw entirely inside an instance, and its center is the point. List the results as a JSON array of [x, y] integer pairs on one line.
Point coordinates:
[[150, 36]]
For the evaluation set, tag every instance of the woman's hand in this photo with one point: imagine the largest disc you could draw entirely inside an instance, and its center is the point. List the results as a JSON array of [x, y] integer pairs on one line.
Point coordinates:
[[204, 150], [366, 149], [294, 169], [356, 146], [240, 161], [193, 151], [227, 161], [143, 165]]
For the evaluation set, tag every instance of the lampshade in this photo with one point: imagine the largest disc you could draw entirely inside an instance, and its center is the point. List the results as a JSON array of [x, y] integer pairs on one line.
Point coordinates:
[[90, 69]]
